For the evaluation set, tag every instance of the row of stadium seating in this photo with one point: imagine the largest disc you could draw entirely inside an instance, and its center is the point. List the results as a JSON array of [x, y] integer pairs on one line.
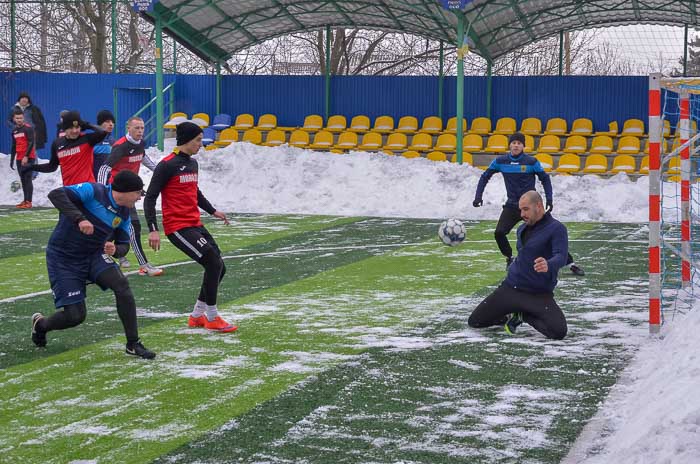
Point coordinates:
[[410, 125], [424, 142]]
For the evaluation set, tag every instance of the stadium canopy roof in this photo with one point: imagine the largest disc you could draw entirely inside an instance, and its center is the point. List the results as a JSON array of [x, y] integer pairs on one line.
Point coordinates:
[[217, 29]]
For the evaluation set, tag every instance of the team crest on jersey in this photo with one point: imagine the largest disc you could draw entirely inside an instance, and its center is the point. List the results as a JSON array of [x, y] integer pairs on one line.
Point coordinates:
[[523, 168], [116, 221]]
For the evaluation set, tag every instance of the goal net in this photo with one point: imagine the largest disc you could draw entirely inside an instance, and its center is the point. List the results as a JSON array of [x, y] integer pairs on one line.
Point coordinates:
[[674, 196]]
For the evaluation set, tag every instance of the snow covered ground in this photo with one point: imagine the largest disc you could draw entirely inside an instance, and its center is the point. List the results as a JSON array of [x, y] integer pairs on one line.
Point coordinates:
[[652, 414]]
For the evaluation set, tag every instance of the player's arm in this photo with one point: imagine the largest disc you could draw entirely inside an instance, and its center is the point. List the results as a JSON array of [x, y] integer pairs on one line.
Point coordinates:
[[161, 176], [53, 163], [483, 180], [29, 132], [66, 200], [560, 248], [13, 152], [203, 203], [546, 183], [148, 162], [98, 134]]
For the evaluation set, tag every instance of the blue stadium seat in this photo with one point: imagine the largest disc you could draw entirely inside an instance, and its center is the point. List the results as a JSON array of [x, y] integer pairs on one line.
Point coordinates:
[[221, 122], [209, 136]]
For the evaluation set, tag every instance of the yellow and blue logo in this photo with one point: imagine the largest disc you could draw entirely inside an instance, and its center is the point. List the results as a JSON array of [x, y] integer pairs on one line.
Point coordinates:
[[116, 221]]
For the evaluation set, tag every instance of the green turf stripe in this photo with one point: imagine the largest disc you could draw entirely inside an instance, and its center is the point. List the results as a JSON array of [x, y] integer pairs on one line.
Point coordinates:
[[14, 220]]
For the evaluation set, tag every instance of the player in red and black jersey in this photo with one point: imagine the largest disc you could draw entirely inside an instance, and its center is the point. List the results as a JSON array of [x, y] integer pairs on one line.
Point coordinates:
[[176, 179], [23, 149], [127, 154], [74, 151]]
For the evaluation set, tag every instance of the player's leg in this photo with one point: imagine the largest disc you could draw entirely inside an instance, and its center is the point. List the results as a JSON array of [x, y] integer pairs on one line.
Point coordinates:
[[575, 268], [544, 315], [508, 219], [495, 308]]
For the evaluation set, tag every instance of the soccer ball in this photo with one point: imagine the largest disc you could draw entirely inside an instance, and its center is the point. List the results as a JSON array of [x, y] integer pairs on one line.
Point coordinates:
[[452, 232]]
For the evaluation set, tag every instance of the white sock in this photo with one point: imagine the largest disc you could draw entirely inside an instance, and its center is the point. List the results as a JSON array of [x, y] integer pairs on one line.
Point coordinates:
[[199, 308], [212, 312]]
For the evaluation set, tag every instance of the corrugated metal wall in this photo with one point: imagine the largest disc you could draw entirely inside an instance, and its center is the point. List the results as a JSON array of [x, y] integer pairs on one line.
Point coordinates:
[[603, 99]]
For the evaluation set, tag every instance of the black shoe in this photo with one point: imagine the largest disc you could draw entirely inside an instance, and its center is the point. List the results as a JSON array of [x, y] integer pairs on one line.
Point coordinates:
[[509, 261], [38, 337], [575, 270], [137, 349], [514, 321]]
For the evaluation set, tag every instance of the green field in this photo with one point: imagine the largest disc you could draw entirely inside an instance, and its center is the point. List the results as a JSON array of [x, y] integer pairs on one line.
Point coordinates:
[[353, 347]]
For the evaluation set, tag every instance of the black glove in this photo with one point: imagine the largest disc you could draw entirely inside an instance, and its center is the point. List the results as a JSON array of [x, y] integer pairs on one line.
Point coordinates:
[[550, 205], [478, 202]]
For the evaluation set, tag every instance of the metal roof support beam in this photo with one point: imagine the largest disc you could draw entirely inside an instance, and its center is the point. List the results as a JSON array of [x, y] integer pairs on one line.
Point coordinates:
[[522, 19]]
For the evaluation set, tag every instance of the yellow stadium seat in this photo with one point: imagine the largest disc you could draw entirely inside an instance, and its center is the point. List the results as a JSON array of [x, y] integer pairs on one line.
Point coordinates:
[[174, 120], [612, 129], [568, 163], [432, 125], [529, 143], [644, 165], [407, 125], [421, 142], [451, 127], [481, 126], [244, 122], [623, 163], [466, 158], [227, 137], [336, 123], [312, 123], [556, 126], [601, 144], [388, 152], [266, 122], [549, 144], [531, 126], [385, 124], [633, 127], [410, 154], [211, 147], [674, 166], [505, 126], [396, 141], [371, 141], [546, 161], [359, 123], [575, 144], [323, 140], [596, 164], [628, 145], [201, 119], [582, 126], [274, 138], [299, 139], [436, 156], [497, 144], [252, 136], [347, 141], [446, 142], [473, 142]]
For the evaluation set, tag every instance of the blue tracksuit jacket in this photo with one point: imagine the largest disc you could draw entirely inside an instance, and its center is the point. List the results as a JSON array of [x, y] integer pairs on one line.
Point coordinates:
[[519, 176]]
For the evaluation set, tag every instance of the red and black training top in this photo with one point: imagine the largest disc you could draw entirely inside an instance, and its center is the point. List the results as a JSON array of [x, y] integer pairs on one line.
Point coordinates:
[[23, 142], [125, 155], [75, 156], [176, 178]]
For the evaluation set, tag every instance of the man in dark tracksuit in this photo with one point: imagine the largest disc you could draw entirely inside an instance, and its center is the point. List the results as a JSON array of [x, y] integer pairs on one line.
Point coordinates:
[[526, 295], [519, 171], [79, 251]]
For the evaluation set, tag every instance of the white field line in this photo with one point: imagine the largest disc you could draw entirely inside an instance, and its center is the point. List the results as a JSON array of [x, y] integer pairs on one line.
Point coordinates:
[[308, 250]]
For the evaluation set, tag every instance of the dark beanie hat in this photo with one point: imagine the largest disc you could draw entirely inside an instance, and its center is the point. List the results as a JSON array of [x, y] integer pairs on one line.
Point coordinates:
[[104, 115], [70, 119], [186, 131], [516, 137], [24, 95], [127, 181]]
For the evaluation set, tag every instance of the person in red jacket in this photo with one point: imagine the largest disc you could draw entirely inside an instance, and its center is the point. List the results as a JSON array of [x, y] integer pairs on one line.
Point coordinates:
[[23, 150], [176, 179]]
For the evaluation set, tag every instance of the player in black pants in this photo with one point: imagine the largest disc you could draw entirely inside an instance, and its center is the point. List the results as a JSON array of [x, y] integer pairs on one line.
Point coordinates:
[[526, 295], [519, 171]]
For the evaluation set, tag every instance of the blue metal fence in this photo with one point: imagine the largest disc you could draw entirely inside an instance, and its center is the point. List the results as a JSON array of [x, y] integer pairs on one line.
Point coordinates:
[[602, 99]]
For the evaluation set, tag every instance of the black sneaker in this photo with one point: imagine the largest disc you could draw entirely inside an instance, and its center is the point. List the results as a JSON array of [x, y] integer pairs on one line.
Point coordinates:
[[137, 349], [575, 270], [509, 261], [38, 337], [513, 323]]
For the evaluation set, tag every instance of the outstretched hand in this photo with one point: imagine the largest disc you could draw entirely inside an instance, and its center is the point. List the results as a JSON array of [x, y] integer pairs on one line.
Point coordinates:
[[220, 215], [477, 203]]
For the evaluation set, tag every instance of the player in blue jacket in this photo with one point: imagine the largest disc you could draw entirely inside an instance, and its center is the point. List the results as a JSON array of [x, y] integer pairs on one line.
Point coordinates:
[[526, 295], [80, 250], [519, 171]]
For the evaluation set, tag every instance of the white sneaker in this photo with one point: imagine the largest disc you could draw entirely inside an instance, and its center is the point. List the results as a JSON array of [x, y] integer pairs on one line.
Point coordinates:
[[123, 262], [150, 270]]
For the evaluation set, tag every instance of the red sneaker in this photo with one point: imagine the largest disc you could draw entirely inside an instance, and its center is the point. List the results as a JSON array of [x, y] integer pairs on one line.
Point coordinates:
[[219, 325], [197, 321], [25, 205]]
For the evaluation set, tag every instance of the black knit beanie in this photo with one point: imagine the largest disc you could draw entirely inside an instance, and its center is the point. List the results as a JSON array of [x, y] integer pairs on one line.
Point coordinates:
[[70, 119], [186, 131], [516, 137], [127, 181], [104, 115]]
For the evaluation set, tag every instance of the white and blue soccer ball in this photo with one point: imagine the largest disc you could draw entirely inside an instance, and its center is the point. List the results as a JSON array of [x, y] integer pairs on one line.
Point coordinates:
[[452, 232]]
